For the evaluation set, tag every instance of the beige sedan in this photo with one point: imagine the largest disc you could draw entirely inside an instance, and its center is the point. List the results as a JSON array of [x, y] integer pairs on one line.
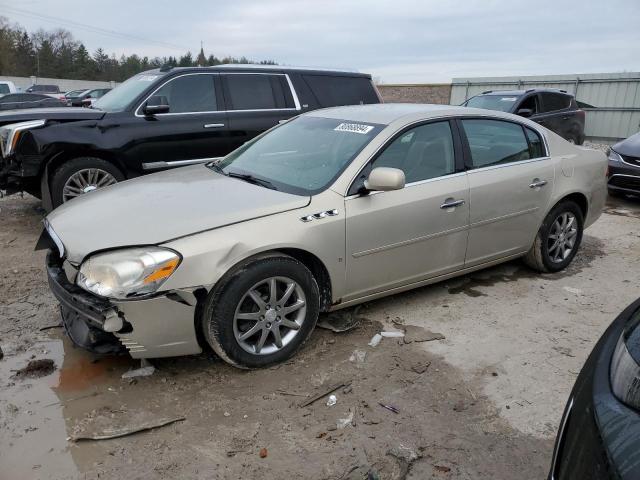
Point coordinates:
[[330, 209]]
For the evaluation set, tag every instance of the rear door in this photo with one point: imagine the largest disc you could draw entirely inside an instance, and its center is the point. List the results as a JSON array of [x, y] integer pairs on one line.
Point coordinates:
[[555, 113], [511, 180], [255, 102], [194, 131]]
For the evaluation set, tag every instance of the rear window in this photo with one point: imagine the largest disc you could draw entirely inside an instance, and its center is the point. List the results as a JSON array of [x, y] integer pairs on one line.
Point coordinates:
[[4, 88], [332, 91], [256, 91], [493, 142], [555, 101]]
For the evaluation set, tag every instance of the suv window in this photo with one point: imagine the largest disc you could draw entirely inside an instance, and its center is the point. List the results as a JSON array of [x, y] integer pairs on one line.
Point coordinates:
[[4, 88], [254, 91], [531, 102], [334, 91], [494, 141], [421, 153], [536, 149], [554, 101], [190, 93]]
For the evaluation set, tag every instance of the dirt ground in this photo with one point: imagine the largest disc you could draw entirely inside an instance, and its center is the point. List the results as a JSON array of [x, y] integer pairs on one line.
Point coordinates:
[[484, 402]]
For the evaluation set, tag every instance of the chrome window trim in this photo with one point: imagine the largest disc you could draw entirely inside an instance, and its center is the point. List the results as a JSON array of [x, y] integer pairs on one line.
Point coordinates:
[[454, 117], [177, 163], [296, 101], [510, 164]]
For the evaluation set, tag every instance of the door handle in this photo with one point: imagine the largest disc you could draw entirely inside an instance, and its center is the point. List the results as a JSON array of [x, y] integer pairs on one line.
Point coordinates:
[[213, 125], [537, 183], [450, 203]]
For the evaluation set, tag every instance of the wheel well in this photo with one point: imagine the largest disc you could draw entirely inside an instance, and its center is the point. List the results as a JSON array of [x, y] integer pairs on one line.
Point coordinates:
[[580, 200], [66, 155], [319, 271]]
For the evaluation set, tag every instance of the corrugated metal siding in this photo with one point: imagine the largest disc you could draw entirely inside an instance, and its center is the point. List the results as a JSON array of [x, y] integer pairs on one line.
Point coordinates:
[[616, 97]]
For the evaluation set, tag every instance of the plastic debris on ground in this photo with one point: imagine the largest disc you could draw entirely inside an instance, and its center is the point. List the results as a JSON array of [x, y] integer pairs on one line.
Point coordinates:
[[140, 372], [332, 400], [375, 340], [395, 334], [358, 356], [345, 422]]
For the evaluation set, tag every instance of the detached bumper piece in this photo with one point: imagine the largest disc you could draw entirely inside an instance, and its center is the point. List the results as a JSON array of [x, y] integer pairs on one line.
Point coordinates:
[[88, 320]]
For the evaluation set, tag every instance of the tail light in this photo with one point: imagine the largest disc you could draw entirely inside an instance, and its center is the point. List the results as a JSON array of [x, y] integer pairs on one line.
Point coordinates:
[[581, 114]]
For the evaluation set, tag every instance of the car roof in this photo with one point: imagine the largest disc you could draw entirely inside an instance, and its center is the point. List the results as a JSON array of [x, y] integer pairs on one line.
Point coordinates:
[[387, 113], [249, 67]]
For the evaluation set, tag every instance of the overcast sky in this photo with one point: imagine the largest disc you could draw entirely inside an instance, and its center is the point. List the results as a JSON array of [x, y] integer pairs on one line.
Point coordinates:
[[399, 41]]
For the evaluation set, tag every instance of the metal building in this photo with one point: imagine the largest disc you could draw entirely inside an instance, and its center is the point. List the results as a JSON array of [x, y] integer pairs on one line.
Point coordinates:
[[611, 100]]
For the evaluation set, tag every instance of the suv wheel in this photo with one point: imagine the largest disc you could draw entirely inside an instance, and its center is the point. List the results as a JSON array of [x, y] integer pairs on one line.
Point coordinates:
[[558, 239], [82, 175], [262, 313]]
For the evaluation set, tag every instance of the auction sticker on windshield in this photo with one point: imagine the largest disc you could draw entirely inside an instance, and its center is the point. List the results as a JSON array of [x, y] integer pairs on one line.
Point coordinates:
[[147, 78], [354, 128], [508, 99]]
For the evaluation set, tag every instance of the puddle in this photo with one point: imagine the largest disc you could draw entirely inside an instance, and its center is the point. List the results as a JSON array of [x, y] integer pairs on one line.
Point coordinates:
[[33, 408], [488, 278]]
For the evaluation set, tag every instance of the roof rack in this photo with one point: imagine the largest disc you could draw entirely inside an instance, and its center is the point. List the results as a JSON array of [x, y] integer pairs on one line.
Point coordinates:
[[488, 91], [285, 67], [166, 67]]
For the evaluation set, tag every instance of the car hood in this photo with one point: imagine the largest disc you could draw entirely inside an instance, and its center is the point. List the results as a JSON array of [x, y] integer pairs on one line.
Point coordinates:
[[629, 147], [160, 207], [52, 113]]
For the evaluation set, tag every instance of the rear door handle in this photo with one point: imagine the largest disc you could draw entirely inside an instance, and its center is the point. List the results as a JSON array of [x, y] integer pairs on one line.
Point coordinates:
[[213, 125], [451, 203], [537, 183]]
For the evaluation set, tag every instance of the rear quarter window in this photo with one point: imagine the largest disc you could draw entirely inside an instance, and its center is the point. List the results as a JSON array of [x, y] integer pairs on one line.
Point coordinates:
[[332, 91], [552, 102]]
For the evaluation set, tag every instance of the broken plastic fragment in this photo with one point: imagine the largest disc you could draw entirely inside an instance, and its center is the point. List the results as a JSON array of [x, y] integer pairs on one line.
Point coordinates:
[[375, 340], [332, 401], [392, 334], [140, 372]]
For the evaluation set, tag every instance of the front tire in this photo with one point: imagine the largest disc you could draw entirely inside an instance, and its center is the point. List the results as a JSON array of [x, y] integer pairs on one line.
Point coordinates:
[[82, 175], [262, 312], [558, 238]]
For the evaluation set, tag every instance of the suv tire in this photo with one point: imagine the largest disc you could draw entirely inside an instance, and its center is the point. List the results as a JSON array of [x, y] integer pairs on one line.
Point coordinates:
[[82, 175]]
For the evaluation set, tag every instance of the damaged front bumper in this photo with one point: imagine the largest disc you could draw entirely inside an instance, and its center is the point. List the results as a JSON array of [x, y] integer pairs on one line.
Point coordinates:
[[161, 326]]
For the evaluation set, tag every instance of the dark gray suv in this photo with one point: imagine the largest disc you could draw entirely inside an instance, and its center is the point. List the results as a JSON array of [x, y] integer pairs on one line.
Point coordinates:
[[555, 109]]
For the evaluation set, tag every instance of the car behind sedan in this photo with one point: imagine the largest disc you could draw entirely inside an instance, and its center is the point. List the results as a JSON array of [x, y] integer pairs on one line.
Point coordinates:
[[624, 167], [600, 428], [328, 210]]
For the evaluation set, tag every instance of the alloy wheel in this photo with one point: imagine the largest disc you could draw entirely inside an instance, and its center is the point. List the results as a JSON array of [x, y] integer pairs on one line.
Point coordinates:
[[269, 315], [85, 181], [562, 237]]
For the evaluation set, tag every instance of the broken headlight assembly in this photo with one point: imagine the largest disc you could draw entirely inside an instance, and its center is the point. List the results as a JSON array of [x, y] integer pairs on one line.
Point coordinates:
[[625, 370], [127, 273], [10, 134]]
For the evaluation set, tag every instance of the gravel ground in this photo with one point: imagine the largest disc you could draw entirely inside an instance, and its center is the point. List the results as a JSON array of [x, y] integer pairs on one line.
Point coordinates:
[[484, 402]]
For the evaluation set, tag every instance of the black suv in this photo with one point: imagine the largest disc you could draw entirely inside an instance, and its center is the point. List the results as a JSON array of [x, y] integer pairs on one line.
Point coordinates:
[[160, 119], [555, 109]]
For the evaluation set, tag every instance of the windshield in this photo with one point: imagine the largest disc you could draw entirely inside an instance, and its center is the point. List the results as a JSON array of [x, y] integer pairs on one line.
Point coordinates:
[[303, 156], [502, 103], [121, 97], [76, 93]]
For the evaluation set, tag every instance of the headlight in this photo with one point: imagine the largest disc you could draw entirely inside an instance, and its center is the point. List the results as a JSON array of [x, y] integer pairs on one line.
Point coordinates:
[[614, 156], [625, 371], [127, 273], [10, 134]]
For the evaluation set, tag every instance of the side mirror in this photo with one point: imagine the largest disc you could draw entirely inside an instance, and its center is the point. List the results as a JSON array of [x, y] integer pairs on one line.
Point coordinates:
[[385, 179], [525, 112], [156, 104]]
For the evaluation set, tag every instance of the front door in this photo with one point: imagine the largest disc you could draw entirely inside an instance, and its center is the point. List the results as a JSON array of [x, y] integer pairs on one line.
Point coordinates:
[[510, 184], [194, 130], [400, 237]]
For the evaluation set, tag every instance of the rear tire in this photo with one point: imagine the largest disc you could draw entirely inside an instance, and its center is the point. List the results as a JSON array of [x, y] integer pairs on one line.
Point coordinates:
[[250, 327], [558, 238], [82, 175]]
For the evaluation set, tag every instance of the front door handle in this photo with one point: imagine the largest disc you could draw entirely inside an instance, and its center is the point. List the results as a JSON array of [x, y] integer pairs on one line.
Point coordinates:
[[213, 125], [537, 183], [451, 203]]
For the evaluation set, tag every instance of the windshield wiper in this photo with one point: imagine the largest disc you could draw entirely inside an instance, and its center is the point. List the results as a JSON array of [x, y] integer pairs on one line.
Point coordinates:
[[251, 179]]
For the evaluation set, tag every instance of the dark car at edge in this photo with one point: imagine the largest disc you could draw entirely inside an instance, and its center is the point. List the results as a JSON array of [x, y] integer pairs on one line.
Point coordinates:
[[599, 435], [624, 167], [161, 119], [554, 109]]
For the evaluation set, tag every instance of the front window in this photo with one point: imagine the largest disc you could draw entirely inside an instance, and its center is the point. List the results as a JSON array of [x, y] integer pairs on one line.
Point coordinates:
[[303, 156], [124, 94], [502, 103]]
